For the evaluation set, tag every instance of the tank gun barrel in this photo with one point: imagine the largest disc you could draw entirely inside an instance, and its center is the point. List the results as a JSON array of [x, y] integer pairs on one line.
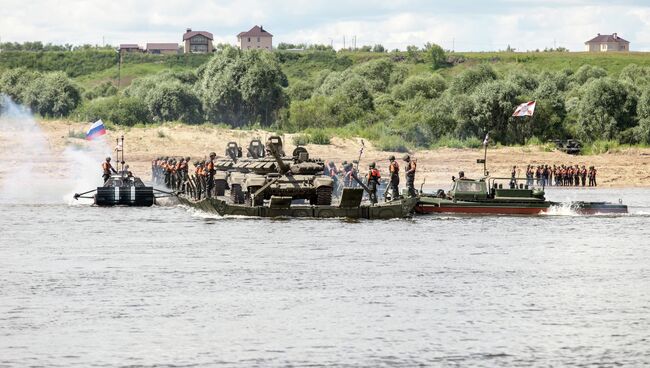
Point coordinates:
[[274, 145]]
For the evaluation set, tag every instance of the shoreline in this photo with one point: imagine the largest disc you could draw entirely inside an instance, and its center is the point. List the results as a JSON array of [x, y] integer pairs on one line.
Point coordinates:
[[629, 168]]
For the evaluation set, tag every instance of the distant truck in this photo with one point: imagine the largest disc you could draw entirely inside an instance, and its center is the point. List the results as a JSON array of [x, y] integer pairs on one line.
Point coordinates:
[[570, 146]]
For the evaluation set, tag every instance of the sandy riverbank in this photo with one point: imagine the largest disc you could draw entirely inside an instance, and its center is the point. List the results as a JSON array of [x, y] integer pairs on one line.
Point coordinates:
[[628, 168]]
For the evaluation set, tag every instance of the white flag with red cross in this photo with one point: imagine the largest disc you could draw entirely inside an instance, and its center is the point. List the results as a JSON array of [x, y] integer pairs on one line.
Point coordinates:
[[525, 109]]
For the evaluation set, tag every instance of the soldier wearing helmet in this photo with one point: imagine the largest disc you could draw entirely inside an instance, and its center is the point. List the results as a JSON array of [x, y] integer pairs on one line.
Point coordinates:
[[393, 168], [209, 172], [373, 182], [409, 172], [107, 168]]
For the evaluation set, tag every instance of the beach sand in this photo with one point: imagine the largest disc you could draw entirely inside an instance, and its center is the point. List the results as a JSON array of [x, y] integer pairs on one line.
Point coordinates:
[[627, 168]]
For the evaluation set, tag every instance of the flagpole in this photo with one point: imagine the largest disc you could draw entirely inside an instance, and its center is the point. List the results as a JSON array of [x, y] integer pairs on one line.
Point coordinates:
[[117, 154], [122, 152], [484, 160]]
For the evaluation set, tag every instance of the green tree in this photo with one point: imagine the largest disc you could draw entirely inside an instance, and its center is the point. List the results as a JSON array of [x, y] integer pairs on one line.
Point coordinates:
[[494, 103], [471, 78], [52, 94], [606, 108], [423, 85], [437, 55], [171, 101], [14, 82], [242, 87], [126, 111]]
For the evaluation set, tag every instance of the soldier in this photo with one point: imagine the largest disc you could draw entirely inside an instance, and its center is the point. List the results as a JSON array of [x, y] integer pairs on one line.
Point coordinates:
[[593, 175], [107, 168], [181, 173], [513, 177], [373, 182], [393, 168], [210, 171], [409, 172]]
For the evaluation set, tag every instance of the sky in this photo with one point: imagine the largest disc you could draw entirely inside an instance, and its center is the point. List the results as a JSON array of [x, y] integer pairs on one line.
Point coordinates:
[[460, 25]]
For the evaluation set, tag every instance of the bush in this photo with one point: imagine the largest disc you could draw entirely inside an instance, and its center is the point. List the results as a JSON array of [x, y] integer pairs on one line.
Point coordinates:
[[391, 143], [319, 136], [300, 140], [52, 94], [105, 89], [426, 86], [126, 111], [601, 146], [453, 142]]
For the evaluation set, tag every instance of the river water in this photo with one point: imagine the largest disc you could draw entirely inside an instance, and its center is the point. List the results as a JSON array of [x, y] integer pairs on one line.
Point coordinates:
[[167, 286]]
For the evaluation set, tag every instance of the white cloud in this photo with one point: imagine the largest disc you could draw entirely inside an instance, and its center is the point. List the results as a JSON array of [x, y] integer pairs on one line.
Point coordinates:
[[465, 24]]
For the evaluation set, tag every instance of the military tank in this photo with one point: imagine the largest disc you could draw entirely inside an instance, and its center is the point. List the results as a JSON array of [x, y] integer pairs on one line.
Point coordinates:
[[296, 176], [233, 167]]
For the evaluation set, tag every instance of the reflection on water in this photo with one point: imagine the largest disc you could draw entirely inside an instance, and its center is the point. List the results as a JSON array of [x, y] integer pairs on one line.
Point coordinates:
[[85, 286]]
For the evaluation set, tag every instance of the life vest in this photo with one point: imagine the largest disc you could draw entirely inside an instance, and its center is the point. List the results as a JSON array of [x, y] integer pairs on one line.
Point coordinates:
[[209, 168], [394, 168], [106, 166], [410, 168], [374, 175]]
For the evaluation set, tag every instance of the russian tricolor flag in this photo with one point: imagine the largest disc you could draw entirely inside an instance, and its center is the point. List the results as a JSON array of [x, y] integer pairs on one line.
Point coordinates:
[[96, 130]]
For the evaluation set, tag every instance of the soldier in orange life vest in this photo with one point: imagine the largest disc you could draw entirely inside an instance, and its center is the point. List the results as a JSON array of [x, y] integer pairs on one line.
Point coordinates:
[[373, 182], [410, 175], [393, 168], [107, 167], [210, 171]]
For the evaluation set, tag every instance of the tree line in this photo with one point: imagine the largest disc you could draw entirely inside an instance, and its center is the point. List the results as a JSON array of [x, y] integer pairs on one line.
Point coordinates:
[[382, 99]]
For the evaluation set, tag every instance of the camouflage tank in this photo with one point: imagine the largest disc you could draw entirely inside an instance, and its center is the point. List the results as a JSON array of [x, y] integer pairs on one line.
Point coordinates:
[[296, 176]]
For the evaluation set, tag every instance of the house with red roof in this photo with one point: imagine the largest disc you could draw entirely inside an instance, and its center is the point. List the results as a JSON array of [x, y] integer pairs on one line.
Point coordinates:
[[607, 43], [255, 38], [197, 41], [162, 48]]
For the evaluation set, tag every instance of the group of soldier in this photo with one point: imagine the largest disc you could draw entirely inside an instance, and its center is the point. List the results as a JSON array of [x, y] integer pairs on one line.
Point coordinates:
[[347, 174], [175, 172], [562, 175]]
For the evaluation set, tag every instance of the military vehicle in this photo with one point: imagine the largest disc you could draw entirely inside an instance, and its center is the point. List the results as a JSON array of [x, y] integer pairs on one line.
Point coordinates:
[[297, 176], [256, 149], [488, 195], [122, 188], [570, 146]]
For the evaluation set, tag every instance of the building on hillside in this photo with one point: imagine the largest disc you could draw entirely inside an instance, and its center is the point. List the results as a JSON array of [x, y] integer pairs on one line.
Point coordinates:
[[129, 47], [162, 48], [607, 43], [255, 38], [197, 41]]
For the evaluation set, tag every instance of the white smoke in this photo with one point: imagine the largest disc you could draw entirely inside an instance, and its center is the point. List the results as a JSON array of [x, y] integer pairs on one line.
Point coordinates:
[[31, 172]]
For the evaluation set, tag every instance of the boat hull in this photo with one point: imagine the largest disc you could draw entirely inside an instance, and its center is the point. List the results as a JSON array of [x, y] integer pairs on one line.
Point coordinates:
[[398, 209], [438, 205], [125, 196]]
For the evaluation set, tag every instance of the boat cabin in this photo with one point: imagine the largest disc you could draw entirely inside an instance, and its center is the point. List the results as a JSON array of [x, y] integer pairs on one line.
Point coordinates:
[[491, 188]]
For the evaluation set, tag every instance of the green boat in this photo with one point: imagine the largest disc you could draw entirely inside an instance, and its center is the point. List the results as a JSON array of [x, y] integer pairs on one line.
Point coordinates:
[[350, 206], [488, 196]]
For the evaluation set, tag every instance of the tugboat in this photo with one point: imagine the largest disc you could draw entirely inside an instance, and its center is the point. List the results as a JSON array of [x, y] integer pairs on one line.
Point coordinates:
[[122, 188], [487, 195]]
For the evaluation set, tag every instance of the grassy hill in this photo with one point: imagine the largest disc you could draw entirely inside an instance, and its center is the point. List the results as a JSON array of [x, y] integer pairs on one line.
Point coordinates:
[[396, 99], [92, 67]]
